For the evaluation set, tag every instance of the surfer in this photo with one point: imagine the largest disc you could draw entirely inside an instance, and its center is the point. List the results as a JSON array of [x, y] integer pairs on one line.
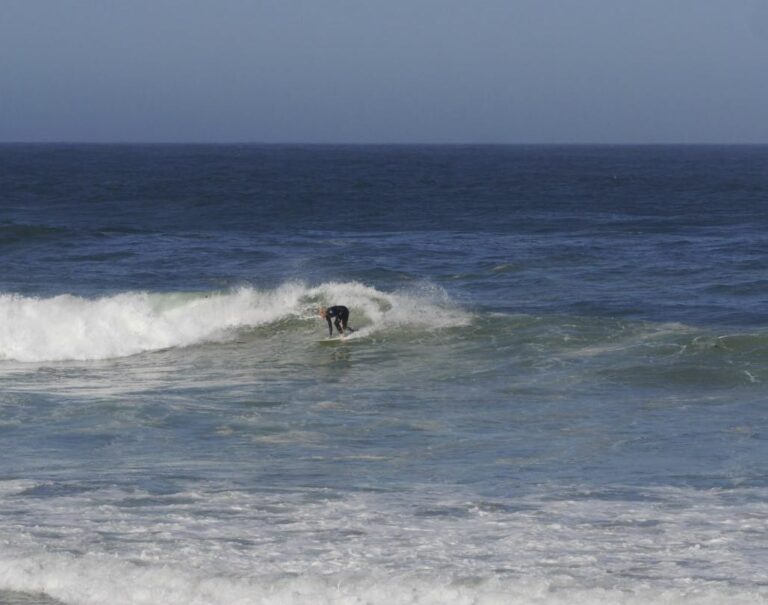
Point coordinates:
[[340, 316]]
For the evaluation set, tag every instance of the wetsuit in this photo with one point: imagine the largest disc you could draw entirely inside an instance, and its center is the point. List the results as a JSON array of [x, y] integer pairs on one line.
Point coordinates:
[[341, 317]]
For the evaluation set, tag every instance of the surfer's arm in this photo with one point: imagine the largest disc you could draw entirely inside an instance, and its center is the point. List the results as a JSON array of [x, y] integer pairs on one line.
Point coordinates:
[[330, 327]]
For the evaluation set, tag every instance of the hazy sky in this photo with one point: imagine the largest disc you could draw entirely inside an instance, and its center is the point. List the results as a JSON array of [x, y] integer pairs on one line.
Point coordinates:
[[434, 71]]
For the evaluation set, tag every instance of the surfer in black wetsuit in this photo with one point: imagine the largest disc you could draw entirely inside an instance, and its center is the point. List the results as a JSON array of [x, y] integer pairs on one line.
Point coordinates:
[[340, 316]]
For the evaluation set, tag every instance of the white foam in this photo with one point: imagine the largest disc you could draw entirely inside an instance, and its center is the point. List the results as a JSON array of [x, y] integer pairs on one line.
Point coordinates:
[[10, 487], [74, 328], [71, 327], [426, 307], [213, 546], [102, 580], [679, 546]]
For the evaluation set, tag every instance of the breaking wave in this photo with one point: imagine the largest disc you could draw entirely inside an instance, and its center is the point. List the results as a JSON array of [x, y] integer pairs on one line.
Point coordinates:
[[69, 327], [97, 580]]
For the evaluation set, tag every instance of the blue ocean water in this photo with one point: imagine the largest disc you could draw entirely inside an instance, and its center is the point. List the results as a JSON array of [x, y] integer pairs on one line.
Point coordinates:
[[556, 392]]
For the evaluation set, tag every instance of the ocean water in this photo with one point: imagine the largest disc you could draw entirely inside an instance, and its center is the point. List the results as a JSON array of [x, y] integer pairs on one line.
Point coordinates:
[[557, 392]]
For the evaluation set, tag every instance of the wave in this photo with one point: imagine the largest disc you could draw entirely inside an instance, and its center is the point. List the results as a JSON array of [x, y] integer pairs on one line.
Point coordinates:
[[100, 579], [97, 543], [13, 233], [69, 327], [589, 349]]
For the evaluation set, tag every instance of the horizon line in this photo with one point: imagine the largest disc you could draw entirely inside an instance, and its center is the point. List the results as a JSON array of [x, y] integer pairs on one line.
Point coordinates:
[[381, 144]]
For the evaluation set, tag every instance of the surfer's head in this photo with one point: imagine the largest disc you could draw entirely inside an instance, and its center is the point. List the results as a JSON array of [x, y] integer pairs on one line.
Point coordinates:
[[322, 311]]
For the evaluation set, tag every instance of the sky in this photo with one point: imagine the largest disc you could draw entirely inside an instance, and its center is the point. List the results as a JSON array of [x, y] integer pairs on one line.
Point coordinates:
[[384, 71]]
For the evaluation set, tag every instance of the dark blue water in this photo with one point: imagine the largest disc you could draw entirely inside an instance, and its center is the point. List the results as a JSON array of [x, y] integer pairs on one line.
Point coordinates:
[[556, 392], [607, 230]]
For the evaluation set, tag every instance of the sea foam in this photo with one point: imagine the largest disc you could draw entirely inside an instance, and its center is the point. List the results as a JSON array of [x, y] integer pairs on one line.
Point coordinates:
[[68, 327], [92, 580]]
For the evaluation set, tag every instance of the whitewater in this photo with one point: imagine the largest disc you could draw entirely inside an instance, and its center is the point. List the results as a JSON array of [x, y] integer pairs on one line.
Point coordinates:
[[378, 550], [99, 529], [68, 327], [556, 390]]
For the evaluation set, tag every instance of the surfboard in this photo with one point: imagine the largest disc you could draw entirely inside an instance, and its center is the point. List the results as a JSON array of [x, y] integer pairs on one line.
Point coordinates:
[[333, 339], [338, 338]]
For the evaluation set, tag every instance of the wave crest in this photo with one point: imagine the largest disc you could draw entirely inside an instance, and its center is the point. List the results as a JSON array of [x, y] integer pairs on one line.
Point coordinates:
[[69, 327]]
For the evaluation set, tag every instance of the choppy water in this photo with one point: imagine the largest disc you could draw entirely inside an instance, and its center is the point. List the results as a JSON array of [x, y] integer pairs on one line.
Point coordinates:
[[556, 393]]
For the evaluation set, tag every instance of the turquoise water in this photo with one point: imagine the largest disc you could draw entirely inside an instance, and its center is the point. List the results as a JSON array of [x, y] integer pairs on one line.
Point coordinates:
[[555, 394]]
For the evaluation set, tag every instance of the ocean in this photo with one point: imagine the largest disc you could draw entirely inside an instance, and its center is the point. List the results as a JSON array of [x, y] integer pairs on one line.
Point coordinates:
[[556, 393]]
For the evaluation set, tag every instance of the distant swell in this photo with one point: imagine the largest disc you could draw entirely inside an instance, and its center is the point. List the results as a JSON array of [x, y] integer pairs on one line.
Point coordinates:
[[11, 233], [68, 327]]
